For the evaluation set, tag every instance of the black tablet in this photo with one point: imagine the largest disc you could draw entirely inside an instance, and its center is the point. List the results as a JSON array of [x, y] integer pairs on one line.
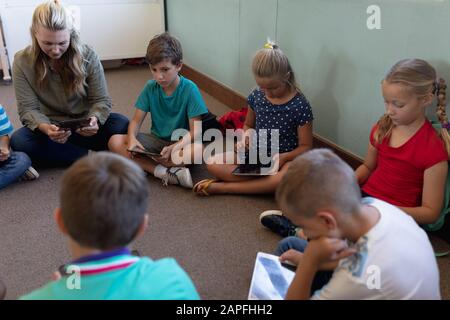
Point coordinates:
[[73, 124], [144, 152], [250, 170]]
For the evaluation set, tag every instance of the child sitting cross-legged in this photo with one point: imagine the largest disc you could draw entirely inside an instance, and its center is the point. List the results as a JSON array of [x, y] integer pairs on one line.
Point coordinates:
[[174, 103], [278, 127]]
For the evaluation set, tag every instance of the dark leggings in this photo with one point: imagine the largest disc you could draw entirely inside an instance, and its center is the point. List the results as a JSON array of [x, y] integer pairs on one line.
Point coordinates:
[[321, 278], [365, 194], [47, 153], [444, 232]]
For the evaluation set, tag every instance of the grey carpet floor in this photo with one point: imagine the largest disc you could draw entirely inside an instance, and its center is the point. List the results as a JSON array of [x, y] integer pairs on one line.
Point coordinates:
[[215, 239]]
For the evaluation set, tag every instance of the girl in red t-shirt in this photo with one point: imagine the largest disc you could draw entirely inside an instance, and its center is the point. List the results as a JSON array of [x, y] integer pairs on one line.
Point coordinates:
[[406, 163]]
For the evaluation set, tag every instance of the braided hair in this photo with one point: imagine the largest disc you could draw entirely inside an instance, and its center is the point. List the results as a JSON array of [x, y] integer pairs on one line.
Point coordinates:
[[441, 87], [420, 77]]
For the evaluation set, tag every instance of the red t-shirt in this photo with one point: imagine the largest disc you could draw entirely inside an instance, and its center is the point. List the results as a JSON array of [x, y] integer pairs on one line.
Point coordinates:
[[398, 176]]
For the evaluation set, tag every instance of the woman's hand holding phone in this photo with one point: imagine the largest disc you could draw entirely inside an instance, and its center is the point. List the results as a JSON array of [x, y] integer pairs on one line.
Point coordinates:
[[55, 133], [89, 130]]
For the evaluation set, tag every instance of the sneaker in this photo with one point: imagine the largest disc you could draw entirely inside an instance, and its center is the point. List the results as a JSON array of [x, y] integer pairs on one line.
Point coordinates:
[[29, 174], [178, 175], [275, 221]]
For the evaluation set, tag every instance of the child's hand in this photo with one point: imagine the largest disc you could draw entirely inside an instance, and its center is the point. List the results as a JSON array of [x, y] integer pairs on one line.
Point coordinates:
[[90, 130], [166, 153], [56, 276], [166, 156], [274, 165], [325, 253], [4, 153], [293, 256], [241, 146], [133, 143]]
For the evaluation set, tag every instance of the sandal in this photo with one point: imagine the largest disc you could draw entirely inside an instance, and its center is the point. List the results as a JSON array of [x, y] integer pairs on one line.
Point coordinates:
[[203, 185]]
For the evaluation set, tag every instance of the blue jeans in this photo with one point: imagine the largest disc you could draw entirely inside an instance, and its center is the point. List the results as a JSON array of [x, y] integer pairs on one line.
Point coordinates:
[[321, 278], [12, 168], [46, 153]]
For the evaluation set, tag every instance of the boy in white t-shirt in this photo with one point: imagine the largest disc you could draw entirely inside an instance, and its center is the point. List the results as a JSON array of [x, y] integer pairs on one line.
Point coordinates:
[[375, 249]]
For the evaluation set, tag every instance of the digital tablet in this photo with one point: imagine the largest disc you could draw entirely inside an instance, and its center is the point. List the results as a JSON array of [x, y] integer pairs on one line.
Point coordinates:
[[270, 280], [144, 152], [251, 170], [73, 124]]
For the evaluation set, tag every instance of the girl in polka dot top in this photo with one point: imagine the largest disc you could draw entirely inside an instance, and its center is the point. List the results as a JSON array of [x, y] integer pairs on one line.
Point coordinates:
[[281, 117]]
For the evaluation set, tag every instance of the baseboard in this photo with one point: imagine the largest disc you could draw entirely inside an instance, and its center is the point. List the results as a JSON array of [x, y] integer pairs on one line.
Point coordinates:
[[219, 91], [236, 101], [352, 159]]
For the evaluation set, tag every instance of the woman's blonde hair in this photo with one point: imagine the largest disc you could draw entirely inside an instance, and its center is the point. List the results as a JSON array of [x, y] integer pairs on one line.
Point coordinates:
[[271, 62], [419, 77], [53, 16]]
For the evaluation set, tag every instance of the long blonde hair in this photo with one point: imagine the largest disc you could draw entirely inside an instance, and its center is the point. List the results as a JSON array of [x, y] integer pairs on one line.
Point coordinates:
[[53, 16], [271, 62], [420, 77]]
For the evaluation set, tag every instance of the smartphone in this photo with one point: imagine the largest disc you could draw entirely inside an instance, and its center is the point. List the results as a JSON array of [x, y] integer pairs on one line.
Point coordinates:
[[137, 150], [73, 124]]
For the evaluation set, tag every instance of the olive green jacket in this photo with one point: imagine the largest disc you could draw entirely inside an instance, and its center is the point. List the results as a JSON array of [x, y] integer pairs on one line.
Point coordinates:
[[36, 105]]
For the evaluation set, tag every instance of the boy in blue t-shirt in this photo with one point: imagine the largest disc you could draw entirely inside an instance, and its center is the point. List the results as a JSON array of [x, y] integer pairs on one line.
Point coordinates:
[[174, 103], [104, 207], [14, 165]]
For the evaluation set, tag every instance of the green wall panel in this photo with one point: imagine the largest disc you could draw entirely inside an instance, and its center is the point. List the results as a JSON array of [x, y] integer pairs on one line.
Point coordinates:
[[339, 63]]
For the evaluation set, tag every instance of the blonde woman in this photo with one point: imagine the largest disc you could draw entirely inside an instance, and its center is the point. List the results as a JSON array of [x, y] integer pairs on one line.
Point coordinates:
[[58, 78]]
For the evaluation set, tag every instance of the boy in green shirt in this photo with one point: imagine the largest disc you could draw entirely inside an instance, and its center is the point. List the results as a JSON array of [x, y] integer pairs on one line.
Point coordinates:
[[174, 103]]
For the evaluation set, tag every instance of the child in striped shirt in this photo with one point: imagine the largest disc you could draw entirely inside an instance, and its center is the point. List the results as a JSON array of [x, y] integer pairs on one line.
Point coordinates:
[[14, 165]]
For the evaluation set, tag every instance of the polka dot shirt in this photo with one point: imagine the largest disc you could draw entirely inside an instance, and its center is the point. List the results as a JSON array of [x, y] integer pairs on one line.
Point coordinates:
[[285, 117]]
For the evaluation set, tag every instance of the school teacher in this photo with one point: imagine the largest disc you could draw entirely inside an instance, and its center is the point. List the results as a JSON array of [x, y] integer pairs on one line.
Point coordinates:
[[59, 78]]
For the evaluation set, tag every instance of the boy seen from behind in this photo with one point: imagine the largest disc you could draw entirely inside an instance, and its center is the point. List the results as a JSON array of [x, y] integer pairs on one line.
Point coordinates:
[[104, 201]]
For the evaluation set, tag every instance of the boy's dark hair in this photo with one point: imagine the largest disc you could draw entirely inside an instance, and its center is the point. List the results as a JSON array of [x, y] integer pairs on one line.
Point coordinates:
[[104, 198], [164, 46]]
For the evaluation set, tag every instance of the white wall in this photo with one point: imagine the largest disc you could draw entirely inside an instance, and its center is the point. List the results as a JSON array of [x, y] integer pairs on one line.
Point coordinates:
[[115, 28]]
